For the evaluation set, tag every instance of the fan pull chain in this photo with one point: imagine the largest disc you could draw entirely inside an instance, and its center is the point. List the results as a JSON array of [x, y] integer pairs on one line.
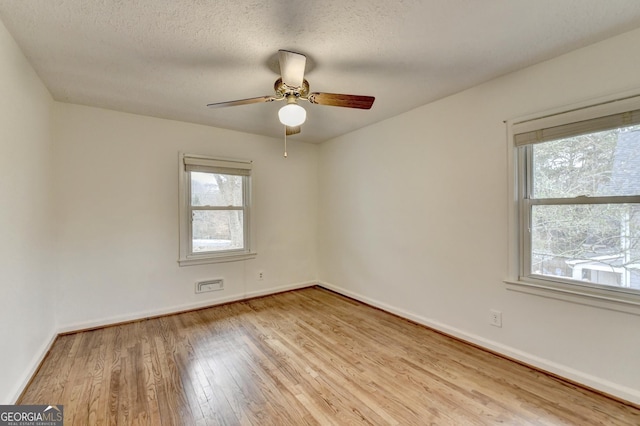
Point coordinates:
[[285, 141]]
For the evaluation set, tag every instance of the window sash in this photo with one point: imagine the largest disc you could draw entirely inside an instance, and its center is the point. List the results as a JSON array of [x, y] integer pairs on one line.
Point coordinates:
[[196, 163], [525, 206], [193, 208], [622, 199], [244, 209]]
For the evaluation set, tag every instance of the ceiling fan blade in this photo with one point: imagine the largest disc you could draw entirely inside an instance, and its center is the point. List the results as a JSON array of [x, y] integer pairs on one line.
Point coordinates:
[[243, 102], [347, 101], [292, 66], [293, 130]]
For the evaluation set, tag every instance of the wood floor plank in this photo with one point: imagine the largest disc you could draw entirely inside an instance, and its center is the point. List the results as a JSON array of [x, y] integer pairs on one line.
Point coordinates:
[[306, 357], [98, 396]]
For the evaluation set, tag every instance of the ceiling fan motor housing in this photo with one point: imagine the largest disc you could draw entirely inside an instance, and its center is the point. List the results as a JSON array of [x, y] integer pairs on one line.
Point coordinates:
[[283, 90]]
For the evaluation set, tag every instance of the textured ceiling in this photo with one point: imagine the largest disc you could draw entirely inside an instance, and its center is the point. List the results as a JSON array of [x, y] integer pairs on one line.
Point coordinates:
[[169, 58]]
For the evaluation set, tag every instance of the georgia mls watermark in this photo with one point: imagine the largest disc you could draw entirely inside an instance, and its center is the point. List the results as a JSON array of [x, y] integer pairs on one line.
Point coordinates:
[[31, 415]]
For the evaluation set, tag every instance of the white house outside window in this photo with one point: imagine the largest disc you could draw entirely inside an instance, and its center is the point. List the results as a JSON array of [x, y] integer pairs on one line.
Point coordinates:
[[578, 196], [214, 210]]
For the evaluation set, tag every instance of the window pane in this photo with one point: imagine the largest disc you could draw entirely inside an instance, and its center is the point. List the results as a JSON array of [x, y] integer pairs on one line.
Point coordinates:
[[597, 164], [213, 189], [589, 243], [216, 230]]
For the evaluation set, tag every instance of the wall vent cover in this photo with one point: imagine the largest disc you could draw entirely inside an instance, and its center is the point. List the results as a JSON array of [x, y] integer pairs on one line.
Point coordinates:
[[209, 285]]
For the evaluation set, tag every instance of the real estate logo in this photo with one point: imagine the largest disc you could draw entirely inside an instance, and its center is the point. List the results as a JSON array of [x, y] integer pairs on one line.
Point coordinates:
[[31, 415]]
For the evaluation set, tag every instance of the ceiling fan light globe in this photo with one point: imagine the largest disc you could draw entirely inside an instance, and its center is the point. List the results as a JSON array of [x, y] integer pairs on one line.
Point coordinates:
[[292, 115]]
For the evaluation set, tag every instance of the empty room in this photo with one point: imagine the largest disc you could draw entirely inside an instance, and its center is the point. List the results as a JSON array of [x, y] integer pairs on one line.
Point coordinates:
[[320, 212]]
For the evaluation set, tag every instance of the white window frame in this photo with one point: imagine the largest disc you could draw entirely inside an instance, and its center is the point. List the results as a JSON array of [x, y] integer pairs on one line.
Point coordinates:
[[571, 119], [201, 163]]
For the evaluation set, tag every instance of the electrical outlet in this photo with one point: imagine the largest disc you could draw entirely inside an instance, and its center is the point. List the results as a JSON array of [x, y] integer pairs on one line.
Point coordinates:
[[260, 275], [495, 318]]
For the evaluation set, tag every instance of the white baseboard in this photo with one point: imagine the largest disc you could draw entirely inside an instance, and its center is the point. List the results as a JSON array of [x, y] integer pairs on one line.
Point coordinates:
[[71, 328], [280, 289], [597, 383], [32, 369]]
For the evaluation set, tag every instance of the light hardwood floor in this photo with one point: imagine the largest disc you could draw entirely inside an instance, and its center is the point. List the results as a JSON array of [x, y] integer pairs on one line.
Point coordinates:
[[303, 357]]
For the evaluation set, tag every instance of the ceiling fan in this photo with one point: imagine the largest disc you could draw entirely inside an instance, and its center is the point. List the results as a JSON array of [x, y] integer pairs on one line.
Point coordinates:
[[292, 87]]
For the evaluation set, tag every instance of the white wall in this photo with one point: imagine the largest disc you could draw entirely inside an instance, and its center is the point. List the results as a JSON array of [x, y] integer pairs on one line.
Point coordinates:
[[27, 265], [116, 178], [413, 218]]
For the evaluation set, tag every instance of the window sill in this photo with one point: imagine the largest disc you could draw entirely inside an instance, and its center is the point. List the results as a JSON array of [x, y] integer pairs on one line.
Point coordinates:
[[203, 260], [605, 299]]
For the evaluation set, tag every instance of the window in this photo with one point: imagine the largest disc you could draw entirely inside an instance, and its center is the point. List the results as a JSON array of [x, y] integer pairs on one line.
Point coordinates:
[[214, 210], [578, 200]]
